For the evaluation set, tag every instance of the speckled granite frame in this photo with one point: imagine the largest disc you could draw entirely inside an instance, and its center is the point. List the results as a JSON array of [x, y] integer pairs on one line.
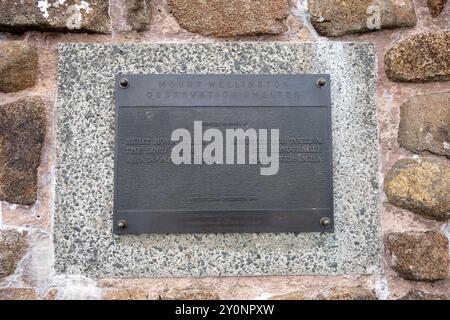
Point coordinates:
[[84, 242]]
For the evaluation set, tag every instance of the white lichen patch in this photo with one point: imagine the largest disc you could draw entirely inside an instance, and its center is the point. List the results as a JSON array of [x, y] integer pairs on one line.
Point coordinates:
[[429, 137], [84, 6], [57, 3], [446, 145], [43, 5], [76, 287], [381, 287]]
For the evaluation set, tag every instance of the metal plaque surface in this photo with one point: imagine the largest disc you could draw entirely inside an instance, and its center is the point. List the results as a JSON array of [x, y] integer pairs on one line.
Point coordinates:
[[200, 154]]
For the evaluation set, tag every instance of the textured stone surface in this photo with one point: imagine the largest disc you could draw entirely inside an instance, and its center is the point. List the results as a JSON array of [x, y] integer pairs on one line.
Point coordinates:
[[289, 296], [425, 124], [436, 6], [422, 186], [189, 294], [419, 255], [52, 294], [22, 130], [348, 293], [420, 295], [17, 294], [231, 18], [85, 131], [18, 66], [335, 18], [126, 294], [55, 15], [137, 15], [420, 58], [13, 246]]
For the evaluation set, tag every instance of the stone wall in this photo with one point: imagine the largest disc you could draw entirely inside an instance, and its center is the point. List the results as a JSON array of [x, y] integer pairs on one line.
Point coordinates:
[[412, 40]]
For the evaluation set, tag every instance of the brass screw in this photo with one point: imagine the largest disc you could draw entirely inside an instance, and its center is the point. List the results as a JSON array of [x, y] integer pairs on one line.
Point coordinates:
[[122, 224], [123, 83], [325, 222], [321, 83]]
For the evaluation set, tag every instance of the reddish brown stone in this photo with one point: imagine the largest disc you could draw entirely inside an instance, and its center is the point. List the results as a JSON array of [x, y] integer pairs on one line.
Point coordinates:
[[126, 294], [18, 66], [420, 58], [348, 293], [419, 255], [52, 294], [296, 295], [436, 6], [425, 124], [231, 18], [17, 294], [335, 18], [189, 294], [22, 129], [13, 246]]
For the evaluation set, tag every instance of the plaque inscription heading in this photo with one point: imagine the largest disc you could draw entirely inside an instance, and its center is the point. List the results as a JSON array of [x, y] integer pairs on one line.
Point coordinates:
[[223, 153]]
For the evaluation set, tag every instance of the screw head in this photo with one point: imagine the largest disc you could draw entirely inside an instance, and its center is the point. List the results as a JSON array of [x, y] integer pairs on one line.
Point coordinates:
[[122, 224], [123, 83], [325, 222], [321, 83]]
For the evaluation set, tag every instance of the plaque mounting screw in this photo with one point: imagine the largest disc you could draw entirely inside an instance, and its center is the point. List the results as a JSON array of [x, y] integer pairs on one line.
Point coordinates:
[[123, 83], [122, 224], [321, 83], [325, 222]]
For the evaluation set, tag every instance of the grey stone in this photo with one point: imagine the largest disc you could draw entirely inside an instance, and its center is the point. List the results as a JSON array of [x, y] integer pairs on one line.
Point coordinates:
[[13, 246], [137, 15], [335, 18], [68, 16], [22, 131], [425, 124], [84, 242]]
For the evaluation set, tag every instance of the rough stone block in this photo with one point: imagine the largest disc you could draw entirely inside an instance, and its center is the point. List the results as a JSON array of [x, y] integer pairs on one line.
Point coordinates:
[[55, 15], [421, 58], [18, 66], [231, 18], [422, 186], [419, 255], [335, 18], [425, 124], [17, 294], [22, 131], [13, 246]]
